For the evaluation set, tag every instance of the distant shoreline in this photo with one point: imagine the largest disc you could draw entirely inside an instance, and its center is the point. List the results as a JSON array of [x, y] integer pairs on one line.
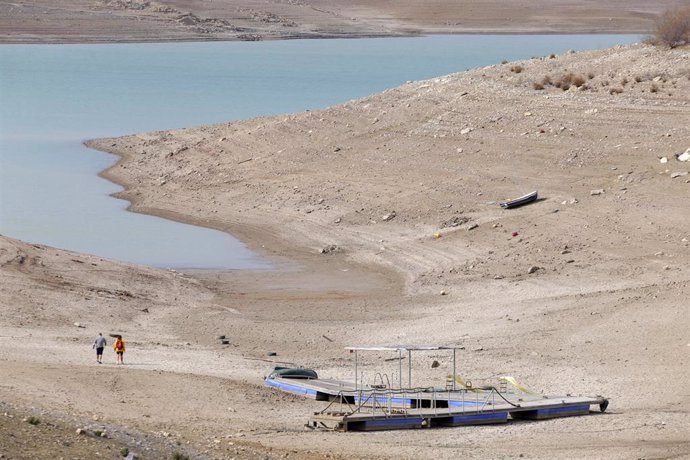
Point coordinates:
[[139, 21], [44, 41]]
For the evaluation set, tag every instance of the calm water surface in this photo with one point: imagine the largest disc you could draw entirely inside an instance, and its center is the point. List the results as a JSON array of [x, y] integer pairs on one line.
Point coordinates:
[[53, 97]]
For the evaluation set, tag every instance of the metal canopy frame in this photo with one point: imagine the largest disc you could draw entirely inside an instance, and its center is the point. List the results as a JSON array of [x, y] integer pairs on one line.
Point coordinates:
[[400, 349]]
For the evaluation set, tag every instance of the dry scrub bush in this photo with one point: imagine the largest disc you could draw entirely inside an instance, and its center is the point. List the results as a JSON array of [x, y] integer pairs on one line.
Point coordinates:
[[538, 86], [615, 90], [564, 81], [638, 79], [569, 79], [517, 68], [653, 88], [590, 75], [578, 80], [673, 27]]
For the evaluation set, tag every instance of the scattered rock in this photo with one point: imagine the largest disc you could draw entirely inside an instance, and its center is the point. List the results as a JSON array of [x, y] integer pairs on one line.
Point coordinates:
[[663, 160], [598, 191], [443, 293], [533, 269], [330, 248], [679, 174], [435, 364], [464, 131], [454, 221], [472, 226], [390, 216], [221, 337], [685, 156], [271, 353], [79, 325]]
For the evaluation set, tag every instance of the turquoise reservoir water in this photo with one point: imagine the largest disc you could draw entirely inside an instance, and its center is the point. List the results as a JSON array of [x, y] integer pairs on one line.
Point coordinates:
[[53, 97]]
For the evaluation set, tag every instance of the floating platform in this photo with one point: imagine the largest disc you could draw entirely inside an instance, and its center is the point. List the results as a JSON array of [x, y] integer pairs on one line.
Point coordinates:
[[382, 406], [373, 409]]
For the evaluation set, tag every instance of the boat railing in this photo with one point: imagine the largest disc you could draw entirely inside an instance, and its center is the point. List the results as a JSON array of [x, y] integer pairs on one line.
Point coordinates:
[[394, 402]]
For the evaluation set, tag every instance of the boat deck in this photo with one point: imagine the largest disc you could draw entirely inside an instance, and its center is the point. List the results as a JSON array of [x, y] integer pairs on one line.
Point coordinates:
[[368, 409]]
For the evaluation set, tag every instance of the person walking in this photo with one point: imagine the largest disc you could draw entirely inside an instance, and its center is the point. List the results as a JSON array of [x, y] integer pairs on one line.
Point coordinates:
[[99, 344], [119, 347]]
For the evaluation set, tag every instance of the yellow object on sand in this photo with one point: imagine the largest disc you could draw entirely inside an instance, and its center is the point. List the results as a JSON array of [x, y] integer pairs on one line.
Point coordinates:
[[508, 379], [514, 383], [464, 385]]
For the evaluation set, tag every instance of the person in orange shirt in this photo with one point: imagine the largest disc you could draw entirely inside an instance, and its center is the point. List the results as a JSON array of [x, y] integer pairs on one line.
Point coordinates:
[[119, 347]]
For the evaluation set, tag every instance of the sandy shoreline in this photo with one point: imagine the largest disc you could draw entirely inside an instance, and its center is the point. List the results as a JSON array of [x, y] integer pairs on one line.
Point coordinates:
[[583, 292]]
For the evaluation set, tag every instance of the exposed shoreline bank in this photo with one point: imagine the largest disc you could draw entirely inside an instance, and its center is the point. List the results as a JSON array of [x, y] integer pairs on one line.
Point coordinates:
[[582, 292]]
